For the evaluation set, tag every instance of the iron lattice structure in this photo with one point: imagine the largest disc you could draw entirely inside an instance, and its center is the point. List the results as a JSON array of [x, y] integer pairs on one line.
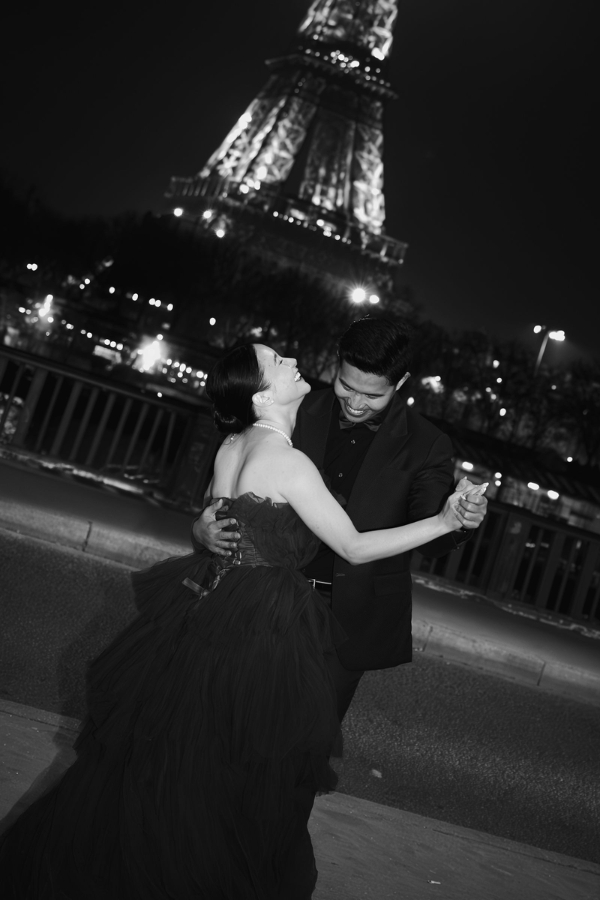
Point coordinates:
[[308, 151]]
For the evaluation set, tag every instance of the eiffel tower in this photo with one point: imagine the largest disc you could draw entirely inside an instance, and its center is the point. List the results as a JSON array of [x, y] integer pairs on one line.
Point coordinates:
[[300, 175]]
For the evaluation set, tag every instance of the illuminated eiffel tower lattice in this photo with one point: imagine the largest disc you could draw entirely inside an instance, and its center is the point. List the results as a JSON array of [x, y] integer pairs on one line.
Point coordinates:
[[300, 175]]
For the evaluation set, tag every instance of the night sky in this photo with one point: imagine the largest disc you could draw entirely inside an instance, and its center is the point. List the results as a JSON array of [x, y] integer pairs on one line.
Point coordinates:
[[488, 149]]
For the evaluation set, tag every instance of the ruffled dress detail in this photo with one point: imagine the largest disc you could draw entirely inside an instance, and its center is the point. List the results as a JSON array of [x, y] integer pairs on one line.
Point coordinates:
[[211, 719]]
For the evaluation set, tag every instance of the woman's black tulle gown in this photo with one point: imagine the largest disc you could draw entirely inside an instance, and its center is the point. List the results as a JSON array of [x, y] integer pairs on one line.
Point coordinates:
[[210, 723]]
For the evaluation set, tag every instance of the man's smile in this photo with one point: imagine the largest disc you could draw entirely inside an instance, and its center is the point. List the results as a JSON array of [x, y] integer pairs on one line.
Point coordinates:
[[353, 412]]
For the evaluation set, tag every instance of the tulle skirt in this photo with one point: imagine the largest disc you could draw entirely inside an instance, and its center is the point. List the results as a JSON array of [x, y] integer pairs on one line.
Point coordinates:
[[210, 724]]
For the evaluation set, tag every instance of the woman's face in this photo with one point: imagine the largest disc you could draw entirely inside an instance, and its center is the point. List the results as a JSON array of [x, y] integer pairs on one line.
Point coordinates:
[[281, 373]]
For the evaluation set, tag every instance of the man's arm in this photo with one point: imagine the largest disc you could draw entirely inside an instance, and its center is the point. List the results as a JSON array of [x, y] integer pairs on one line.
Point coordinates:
[[208, 533], [430, 488]]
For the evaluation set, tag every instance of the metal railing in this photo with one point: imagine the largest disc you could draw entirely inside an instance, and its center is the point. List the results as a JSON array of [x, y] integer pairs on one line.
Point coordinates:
[[96, 425], [523, 558], [104, 428]]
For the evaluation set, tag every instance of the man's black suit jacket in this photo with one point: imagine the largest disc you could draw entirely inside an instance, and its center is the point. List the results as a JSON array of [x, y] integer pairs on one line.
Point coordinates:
[[406, 475]]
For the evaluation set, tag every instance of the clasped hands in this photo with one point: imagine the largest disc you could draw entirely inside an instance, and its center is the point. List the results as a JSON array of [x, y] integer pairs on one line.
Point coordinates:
[[466, 505]]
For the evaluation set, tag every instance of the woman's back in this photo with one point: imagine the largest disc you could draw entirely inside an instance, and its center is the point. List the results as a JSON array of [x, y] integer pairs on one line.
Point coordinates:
[[249, 463]]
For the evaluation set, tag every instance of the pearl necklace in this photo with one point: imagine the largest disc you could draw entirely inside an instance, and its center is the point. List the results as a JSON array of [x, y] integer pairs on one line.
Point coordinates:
[[272, 427]]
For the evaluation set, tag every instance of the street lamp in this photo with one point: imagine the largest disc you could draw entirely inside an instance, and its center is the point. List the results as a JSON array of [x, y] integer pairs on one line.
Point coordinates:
[[358, 295], [552, 335]]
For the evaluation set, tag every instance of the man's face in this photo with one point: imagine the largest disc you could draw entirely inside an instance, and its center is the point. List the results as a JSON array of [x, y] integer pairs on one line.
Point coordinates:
[[362, 395]]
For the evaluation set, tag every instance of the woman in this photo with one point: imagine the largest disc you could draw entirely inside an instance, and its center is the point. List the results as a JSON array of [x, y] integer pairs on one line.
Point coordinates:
[[212, 716]]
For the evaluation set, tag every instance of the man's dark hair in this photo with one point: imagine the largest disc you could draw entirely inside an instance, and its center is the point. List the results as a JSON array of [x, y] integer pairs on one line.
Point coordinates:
[[230, 386], [378, 346]]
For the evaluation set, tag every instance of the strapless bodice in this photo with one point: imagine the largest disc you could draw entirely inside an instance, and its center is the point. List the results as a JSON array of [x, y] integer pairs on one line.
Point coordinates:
[[272, 534]]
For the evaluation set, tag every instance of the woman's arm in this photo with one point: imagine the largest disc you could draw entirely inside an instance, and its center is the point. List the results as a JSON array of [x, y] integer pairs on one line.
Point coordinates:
[[298, 480]]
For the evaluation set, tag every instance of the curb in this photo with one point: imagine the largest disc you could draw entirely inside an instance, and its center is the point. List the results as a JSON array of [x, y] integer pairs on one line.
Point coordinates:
[[135, 551], [499, 659]]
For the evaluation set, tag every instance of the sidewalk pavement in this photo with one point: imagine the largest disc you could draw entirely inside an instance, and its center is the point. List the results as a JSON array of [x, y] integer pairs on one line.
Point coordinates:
[[364, 851], [448, 622]]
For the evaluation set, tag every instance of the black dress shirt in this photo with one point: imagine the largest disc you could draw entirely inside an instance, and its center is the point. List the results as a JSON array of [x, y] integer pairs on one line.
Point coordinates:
[[345, 451]]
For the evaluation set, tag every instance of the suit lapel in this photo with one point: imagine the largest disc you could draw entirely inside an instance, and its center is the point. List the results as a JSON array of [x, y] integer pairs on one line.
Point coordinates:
[[387, 445], [314, 417]]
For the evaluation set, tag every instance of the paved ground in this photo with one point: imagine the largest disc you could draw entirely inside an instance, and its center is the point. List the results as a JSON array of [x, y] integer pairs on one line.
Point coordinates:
[[438, 739], [364, 851]]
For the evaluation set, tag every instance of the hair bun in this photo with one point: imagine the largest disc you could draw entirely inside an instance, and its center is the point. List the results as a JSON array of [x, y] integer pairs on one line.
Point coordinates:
[[227, 424]]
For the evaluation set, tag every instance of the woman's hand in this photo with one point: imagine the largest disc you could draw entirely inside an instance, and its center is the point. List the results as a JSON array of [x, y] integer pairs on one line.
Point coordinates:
[[466, 507]]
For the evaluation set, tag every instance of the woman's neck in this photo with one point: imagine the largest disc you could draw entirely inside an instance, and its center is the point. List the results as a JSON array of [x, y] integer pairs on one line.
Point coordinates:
[[283, 417]]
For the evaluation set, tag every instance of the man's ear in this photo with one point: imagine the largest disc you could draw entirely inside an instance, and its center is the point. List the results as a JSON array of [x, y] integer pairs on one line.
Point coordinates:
[[404, 378], [262, 399]]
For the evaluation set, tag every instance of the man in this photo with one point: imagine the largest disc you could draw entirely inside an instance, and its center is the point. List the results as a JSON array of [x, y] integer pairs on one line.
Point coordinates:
[[388, 466]]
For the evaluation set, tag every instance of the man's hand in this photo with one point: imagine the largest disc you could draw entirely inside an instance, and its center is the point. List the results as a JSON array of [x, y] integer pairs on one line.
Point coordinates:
[[471, 507], [208, 530]]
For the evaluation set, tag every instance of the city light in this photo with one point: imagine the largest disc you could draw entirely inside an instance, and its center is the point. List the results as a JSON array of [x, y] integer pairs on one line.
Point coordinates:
[[557, 335], [498, 475], [410, 401], [467, 466], [496, 363], [537, 329], [569, 459], [220, 232], [358, 295], [178, 211], [533, 486], [212, 321], [150, 354], [502, 412], [45, 308], [553, 495], [111, 290], [207, 213], [373, 298]]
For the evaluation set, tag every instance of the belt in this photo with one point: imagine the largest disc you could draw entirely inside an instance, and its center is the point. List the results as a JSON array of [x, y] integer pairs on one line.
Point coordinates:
[[320, 585]]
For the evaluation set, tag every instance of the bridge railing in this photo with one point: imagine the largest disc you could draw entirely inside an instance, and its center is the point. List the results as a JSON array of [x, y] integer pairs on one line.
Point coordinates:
[[526, 559], [106, 429], [101, 427]]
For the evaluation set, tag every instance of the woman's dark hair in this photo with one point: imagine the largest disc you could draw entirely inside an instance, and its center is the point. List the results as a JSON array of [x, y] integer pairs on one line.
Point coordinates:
[[379, 346], [230, 386]]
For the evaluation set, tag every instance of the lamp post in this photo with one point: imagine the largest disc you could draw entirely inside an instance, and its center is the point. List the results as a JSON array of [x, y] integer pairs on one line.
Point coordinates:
[[552, 335]]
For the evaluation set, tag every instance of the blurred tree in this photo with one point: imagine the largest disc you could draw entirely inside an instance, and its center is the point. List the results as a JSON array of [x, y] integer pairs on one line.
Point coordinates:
[[579, 404]]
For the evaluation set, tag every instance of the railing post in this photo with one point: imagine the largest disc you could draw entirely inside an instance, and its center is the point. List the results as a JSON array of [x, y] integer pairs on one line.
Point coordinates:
[[585, 579], [29, 407], [509, 556], [194, 463]]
